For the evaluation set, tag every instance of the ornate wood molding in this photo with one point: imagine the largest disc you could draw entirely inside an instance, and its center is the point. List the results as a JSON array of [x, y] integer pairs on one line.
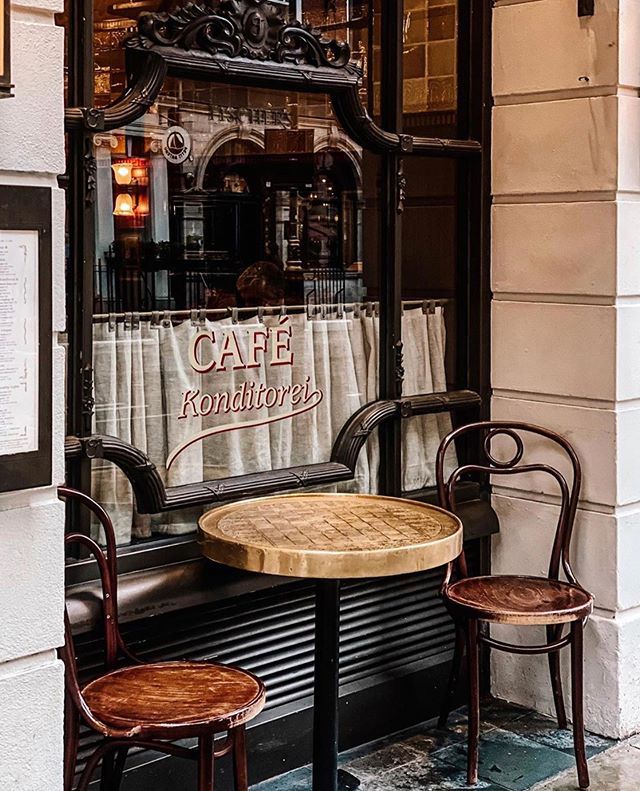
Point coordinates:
[[250, 43]]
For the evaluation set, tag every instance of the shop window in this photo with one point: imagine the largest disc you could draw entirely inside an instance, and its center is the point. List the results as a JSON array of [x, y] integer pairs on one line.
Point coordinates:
[[235, 316]]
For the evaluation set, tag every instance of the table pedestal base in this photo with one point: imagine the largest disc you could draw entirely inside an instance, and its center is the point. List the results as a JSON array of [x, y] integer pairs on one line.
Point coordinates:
[[326, 691], [346, 781]]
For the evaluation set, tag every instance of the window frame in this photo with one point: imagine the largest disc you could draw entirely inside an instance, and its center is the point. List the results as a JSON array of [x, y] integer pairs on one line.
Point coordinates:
[[472, 360]]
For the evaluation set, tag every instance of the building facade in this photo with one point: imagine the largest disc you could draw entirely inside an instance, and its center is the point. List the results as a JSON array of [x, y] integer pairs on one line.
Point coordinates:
[[228, 246]]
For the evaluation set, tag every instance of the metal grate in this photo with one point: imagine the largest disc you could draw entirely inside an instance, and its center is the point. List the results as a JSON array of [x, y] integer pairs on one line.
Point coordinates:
[[386, 627]]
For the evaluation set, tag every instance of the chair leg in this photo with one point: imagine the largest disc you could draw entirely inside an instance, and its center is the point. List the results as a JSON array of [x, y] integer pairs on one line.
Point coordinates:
[[71, 730], [454, 676], [553, 634], [577, 693], [240, 774], [113, 769], [473, 654], [205, 763], [121, 759], [107, 771], [101, 754]]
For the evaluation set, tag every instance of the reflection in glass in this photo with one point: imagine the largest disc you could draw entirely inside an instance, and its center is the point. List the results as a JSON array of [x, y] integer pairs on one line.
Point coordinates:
[[236, 309]]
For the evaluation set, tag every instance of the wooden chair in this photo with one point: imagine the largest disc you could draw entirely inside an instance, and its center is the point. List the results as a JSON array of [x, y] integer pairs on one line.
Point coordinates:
[[517, 600], [150, 705]]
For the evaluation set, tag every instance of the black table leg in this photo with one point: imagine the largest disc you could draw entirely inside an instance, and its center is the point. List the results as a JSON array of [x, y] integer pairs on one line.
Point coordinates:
[[326, 691]]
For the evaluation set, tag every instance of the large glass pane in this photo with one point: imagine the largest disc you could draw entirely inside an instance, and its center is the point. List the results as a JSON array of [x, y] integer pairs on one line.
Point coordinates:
[[430, 59], [430, 228], [234, 328]]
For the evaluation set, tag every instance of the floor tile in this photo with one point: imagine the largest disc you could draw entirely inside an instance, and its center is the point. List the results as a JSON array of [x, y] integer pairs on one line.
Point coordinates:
[[512, 761], [424, 775], [300, 780], [615, 770], [519, 750], [544, 731]]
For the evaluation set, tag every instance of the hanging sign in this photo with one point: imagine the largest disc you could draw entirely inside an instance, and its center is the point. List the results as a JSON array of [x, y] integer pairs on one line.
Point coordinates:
[[176, 144]]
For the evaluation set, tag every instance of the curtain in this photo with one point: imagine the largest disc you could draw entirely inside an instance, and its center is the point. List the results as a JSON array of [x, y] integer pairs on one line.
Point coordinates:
[[142, 373]]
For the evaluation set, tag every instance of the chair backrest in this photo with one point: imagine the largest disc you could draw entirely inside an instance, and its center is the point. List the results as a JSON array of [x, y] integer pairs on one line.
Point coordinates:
[[107, 566], [488, 465]]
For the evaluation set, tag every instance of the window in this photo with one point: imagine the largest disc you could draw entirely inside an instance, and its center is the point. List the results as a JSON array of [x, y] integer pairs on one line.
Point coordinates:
[[228, 312]]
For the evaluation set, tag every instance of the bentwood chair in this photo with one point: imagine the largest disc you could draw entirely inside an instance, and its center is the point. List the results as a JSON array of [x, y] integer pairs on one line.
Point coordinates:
[[476, 602], [150, 705]]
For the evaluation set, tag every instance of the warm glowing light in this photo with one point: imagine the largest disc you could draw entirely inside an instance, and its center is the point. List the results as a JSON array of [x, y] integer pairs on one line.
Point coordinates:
[[124, 205], [123, 171]]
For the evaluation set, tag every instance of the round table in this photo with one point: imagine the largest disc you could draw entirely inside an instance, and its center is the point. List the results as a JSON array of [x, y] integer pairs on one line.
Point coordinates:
[[328, 538]]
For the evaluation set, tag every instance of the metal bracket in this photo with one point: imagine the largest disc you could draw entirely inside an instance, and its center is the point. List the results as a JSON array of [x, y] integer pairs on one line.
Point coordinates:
[[586, 7]]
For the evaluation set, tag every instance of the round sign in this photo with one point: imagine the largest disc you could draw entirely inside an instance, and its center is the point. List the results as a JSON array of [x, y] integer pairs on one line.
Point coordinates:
[[176, 145]]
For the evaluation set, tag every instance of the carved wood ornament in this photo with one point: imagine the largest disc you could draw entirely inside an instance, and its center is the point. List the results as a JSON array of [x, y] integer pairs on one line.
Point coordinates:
[[250, 43]]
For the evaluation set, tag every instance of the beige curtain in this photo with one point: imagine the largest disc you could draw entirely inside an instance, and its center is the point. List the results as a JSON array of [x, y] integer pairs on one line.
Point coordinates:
[[142, 373]]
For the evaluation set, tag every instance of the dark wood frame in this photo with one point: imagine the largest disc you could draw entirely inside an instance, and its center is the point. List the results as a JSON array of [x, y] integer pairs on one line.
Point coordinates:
[[29, 209], [186, 44], [5, 62], [555, 606]]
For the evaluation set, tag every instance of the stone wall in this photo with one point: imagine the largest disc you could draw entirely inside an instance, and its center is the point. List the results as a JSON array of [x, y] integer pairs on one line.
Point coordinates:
[[32, 521], [566, 319]]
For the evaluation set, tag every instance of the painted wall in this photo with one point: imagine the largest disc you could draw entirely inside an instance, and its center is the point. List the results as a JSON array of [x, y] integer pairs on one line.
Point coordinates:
[[32, 522], [566, 319]]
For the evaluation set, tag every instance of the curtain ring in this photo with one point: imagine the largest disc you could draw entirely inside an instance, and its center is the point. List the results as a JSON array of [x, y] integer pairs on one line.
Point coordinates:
[[112, 322], [202, 317], [425, 306], [155, 318], [166, 319], [135, 321], [128, 320], [194, 318], [261, 314]]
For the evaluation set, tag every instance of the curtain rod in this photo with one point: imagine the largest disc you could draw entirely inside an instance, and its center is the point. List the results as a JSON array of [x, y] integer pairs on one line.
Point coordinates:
[[199, 313]]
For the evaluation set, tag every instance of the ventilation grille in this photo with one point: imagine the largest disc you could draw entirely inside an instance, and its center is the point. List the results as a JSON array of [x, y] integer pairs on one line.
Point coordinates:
[[386, 626]]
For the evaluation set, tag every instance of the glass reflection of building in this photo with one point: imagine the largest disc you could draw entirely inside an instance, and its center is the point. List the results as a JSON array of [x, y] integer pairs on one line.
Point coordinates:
[[267, 188]]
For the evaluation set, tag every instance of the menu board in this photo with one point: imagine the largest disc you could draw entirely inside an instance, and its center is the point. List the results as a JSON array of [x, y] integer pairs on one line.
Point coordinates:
[[25, 337], [19, 341]]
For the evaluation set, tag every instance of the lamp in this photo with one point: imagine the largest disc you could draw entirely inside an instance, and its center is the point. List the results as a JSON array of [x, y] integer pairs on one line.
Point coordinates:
[[124, 206], [123, 172]]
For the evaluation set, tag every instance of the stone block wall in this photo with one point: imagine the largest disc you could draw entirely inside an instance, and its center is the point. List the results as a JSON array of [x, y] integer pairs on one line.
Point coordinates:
[[566, 319], [32, 521]]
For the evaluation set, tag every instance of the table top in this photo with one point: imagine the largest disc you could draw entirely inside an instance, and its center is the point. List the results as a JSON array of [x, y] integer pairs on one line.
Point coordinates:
[[330, 536]]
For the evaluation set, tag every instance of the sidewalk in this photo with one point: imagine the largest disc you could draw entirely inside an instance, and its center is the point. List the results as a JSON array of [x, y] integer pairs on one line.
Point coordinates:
[[520, 750]]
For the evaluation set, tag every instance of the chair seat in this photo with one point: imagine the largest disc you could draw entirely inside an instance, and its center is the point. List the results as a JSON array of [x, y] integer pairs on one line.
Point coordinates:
[[520, 600], [169, 698]]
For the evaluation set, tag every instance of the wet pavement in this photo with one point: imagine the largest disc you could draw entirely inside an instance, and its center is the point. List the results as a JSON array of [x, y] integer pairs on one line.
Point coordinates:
[[520, 750]]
